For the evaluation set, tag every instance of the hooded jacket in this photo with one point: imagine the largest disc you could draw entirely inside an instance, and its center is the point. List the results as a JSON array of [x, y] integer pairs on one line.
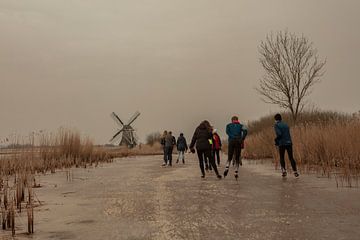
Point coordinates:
[[181, 143], [201, 137]]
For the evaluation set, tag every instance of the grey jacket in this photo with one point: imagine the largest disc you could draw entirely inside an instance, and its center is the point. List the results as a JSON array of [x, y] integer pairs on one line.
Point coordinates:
[[170, 141]]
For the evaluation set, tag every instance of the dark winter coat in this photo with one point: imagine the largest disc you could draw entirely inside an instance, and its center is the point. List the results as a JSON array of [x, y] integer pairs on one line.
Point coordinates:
[[283, 137], [162, 141], [181, 143], [201, 137]]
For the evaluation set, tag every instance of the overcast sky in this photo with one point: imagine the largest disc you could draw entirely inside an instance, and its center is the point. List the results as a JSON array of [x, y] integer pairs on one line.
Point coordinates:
[[71, 63]]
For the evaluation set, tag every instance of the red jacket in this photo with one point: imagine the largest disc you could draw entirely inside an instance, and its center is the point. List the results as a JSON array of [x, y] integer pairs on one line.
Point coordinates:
[[217, 141]]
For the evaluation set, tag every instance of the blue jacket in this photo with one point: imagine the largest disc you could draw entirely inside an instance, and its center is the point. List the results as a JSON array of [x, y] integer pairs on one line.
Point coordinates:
[[236, 131], [181, 143], [283, 137]]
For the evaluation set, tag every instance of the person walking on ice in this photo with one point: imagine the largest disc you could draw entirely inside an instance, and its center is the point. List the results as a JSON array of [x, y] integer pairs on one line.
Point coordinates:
[[170, 141], [162, 142], [181, 147], [236, 135], [216, 146], [284, 143], [203, 139]]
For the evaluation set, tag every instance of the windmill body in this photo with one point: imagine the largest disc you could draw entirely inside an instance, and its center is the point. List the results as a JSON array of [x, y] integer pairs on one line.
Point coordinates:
[[126, 132]]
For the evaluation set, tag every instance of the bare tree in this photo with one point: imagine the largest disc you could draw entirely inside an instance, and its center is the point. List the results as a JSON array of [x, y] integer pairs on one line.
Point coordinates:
[[292, 67]]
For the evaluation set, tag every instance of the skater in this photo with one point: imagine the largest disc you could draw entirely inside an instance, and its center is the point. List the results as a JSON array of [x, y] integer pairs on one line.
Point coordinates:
[[202, 137], [237, 134], [284, 143], [181, 147], [170, 141], [162, 142], [206, 157], [216, 146]]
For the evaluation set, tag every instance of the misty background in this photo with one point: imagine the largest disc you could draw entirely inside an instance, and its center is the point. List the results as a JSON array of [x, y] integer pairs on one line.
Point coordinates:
[[71, 63]]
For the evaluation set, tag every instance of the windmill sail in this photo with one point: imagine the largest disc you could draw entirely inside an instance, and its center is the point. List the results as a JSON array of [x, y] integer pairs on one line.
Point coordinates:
[[116, 136], [127, 132], [116, 119], [134, 117]]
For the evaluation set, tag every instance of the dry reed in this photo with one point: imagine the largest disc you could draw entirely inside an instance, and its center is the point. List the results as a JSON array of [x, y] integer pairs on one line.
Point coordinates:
[[331, 148], [25, 157]]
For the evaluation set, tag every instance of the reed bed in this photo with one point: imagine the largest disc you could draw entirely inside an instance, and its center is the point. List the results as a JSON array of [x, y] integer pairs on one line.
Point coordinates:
[[330, 148], [15, 195], [27, 157]]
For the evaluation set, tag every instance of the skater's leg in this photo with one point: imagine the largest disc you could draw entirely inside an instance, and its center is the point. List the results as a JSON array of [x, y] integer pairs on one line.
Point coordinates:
[[201, 162], [214, 154], [205, 162], [282, 157], [165, 156], [230, 153], [282, 160], [170, 155], [179, 157], [212, 161], [183, 156], [237, 156], [291, 157], [230, 156], [209, 157], [217, 151]]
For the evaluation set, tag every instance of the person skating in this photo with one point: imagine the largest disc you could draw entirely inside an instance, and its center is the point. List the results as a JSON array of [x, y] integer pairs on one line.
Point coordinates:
[[206, 157], [202, 137], [162, 142], [284, 143], [181, 147], [216, 146], [236, 135], [170, 141]]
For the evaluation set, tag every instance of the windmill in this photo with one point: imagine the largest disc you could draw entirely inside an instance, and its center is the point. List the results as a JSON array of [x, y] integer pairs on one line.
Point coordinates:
[[128, 133]]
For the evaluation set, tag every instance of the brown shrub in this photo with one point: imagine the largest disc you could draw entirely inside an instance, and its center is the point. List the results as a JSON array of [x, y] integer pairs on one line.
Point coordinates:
[[330, 148]]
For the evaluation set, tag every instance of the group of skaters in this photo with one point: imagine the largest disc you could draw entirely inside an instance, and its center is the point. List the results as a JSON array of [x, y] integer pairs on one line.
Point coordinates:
[[208, 145], [168, 142]]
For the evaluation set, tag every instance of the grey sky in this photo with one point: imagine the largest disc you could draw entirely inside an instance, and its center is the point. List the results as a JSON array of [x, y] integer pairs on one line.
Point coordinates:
[[73, 62]]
